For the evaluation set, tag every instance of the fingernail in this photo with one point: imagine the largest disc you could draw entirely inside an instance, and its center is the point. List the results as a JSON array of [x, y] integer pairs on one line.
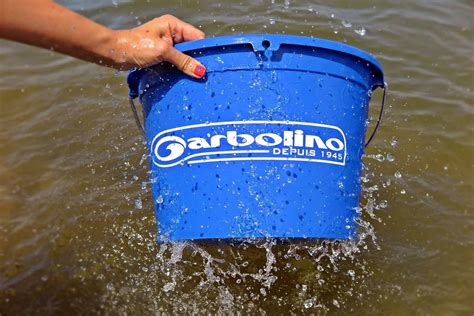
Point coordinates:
[[199, 71]]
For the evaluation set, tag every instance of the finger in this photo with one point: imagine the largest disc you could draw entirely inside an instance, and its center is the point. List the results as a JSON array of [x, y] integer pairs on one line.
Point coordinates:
[[185, 63], [190, 33], [183, 31]]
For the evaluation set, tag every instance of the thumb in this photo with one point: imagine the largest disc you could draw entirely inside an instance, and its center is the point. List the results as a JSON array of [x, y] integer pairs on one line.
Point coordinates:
[[185, 63]]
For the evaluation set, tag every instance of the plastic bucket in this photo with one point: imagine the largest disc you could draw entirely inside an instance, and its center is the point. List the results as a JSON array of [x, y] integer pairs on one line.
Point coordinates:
[[268, 144]]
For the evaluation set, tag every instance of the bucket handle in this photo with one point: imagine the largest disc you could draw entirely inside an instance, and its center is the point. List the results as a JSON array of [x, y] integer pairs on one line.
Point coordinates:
[[135, 115], [379, 120]]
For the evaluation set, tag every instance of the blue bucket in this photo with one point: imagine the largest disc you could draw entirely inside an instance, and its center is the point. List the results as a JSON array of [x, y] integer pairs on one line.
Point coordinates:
[[268, 144]]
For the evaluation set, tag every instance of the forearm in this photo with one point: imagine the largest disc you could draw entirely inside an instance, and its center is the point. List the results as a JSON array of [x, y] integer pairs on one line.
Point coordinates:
[[46, 24]]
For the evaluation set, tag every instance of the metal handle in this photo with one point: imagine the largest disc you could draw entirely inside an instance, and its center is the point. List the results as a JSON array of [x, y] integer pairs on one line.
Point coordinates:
[[135, 115], [379, 120]]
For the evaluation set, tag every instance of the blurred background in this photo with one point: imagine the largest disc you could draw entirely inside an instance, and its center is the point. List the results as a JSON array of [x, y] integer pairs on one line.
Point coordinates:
[[77, 227]]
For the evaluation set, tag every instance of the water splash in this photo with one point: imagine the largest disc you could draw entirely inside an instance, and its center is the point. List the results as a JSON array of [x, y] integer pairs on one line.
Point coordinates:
[[346, 24], [236, 276], [231, 276], [361, 31]]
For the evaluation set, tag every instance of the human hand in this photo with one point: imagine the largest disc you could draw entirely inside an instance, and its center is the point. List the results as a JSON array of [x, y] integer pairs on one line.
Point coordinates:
[[55, 27], [152, 43]]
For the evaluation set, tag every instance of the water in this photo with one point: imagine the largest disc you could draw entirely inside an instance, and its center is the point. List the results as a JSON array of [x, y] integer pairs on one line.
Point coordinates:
[[76, 215]]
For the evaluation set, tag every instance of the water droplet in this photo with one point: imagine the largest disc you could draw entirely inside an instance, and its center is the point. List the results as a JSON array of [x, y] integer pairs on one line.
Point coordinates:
[[346, 24], [361, 31], [394, 142], [138, 203], [403, 191], [336, 303], [168, 287], [308, 303], [398, 175], [159, 200], [274, 76], [380, 157], [390, 158]]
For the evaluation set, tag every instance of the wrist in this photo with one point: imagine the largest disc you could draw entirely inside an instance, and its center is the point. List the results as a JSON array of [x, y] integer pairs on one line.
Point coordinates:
[[119, 43], [106, 48]]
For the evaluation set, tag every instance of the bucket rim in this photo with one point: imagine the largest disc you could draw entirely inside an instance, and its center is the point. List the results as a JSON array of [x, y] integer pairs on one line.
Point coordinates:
[[261, 42], [275, 41]]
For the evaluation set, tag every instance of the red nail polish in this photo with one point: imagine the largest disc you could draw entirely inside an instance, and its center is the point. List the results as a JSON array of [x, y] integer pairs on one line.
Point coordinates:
[[199, 71]]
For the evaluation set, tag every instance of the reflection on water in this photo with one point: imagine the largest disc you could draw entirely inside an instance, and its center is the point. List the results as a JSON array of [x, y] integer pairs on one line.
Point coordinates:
[[76, 215]]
